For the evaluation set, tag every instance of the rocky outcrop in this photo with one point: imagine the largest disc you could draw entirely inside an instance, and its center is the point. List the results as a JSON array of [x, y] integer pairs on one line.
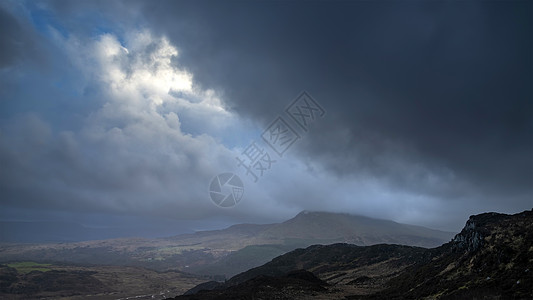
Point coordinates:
[[469, 239]]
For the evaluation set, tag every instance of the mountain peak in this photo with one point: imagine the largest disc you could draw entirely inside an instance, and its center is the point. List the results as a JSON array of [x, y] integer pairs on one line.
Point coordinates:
[[330, 227], [304, 213]]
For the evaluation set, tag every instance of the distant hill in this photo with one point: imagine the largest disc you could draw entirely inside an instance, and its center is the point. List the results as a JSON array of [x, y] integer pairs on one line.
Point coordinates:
[[258, 244], [491, 258], [353, 229], [309, 228]]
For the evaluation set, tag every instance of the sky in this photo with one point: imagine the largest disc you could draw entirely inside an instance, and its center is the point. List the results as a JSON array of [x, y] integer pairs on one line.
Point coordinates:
[[121, 113]]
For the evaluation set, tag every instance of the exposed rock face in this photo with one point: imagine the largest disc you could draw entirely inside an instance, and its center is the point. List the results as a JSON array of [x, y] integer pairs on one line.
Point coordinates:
[[490, 258], [469, 238]]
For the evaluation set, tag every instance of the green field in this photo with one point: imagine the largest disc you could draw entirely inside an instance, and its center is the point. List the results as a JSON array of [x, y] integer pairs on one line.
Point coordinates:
[[28, 266]]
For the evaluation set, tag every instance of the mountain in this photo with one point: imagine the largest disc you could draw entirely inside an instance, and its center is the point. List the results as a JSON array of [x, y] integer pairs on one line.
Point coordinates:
[[491, 258], [309, 228], [230, 251], [258, 244], [359, 230]]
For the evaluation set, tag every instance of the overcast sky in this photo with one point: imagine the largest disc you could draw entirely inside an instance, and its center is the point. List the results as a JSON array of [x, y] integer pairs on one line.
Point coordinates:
[[117, 113]]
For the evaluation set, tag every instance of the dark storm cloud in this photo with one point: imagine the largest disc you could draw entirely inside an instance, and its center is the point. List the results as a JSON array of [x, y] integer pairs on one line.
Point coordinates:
[[444, 87]]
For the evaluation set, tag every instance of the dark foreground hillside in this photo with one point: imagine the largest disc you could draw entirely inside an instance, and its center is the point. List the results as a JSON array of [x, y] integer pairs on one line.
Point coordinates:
[[491, 258]]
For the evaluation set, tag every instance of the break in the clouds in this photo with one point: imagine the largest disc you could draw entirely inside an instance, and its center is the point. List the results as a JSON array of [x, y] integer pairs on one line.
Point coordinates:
[[130, 108], [130, 154]]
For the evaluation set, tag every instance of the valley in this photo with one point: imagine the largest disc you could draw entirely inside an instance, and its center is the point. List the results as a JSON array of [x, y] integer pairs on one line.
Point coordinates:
[[227, 252]]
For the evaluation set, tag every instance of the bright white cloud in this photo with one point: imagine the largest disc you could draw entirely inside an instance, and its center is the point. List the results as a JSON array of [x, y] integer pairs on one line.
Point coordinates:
[[131, 155]]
